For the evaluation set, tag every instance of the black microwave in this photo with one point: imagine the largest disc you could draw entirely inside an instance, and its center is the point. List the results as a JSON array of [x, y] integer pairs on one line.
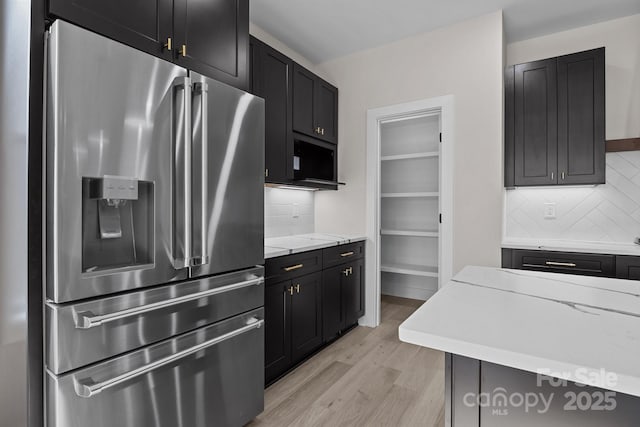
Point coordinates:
[[314, 163]]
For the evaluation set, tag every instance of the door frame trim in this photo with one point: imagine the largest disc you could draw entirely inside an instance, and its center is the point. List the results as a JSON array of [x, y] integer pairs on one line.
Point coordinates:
[[444, 105]]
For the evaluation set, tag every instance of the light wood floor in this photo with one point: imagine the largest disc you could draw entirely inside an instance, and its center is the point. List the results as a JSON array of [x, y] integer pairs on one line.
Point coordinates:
[[366, 378]]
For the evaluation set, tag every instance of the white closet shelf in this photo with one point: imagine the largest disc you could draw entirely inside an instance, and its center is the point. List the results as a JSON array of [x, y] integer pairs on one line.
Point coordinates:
[[411, 269], [419, 194], [423, 155], [415, 233]]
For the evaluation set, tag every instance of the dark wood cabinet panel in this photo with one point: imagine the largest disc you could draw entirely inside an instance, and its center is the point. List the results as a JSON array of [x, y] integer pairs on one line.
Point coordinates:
[[306, 315], [564, 262], [555, 121], [628, 267], [581, 118], [290, 266], [212, 38], [304, 101], [277, 347], [143, 24], [315, 106], [326, 111], [332, 307], [271, 80], [353, 293], [535, 123]]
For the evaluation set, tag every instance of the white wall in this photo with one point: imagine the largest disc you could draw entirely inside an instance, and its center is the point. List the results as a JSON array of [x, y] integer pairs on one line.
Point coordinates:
[[288, 212], [464, 60], [609, 212], [621, 38]]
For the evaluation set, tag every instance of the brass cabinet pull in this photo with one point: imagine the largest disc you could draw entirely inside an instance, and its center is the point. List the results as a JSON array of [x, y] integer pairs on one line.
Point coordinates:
[[560, 264], [319, 130], [345, 271], [298, 288], [290, 290], [293, 267], [183, 50], [322, 131], [552, 176], [167, 45], [266, 173], [346, 254], [562, 175]]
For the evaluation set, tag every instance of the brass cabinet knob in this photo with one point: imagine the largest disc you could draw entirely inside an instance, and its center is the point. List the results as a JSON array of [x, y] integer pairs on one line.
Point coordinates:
[[298, 288], [183, 50], [322, 131], [290, 290], [168, 45]]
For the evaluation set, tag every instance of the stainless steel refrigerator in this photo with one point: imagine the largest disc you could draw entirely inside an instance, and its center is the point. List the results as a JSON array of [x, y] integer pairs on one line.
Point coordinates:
[[154, 240]]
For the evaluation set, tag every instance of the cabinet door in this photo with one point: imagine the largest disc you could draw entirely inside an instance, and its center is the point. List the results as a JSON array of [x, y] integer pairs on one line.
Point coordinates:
[[306, 315], [212, 38], [304, 101], [277, 332], [332, 310], [628, 267], [327, 112], [271, 77], [353, 293], [535, 123], [581, 118], [143, 24]]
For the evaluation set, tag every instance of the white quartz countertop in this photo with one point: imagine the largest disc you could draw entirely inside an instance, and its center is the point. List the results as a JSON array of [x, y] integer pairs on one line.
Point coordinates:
[[573, 246], [279, 246], [573, 327]]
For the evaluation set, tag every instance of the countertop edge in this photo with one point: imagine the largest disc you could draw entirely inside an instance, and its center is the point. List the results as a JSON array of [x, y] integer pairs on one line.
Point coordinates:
[[561, 370], [313, 245], [629, 249]]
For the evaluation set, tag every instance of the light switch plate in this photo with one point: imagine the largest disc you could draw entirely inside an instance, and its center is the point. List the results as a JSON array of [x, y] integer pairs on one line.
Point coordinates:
[[550, 210]]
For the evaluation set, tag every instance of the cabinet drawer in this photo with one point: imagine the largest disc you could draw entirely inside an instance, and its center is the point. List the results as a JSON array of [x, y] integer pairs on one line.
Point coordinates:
[[628, 267], [564, 262], [286, 267], [337, 255]]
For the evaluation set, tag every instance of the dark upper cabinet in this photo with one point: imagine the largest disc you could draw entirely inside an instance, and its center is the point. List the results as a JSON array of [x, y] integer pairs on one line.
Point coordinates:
[[315, 106], [581, 118], [211, 38], [143, 24], [554, 121], [271, 80]]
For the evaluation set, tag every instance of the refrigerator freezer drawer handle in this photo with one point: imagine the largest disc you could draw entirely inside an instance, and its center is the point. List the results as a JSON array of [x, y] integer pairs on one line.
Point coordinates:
[[88, 388], [87, 320]]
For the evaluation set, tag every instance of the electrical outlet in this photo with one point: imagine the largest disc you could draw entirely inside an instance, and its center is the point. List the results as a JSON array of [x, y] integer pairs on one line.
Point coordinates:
[[549, 211]]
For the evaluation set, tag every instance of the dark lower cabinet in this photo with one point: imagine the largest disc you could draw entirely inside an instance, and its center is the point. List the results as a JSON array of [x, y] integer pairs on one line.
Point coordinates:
[[293, 322], [306, 315], [209, 37], [307, 306], [604, 265], [343, 297], [277, 331], [555, 121]]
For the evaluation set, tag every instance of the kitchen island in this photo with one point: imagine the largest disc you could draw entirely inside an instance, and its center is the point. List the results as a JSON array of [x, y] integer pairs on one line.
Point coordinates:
[[534, 349]]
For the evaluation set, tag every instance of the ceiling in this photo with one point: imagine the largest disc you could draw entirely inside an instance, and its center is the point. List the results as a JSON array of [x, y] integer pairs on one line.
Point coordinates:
[[322, 30]]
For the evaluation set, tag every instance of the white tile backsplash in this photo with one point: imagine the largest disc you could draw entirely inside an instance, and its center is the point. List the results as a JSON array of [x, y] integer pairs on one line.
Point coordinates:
[[603, 213], [281, 204]]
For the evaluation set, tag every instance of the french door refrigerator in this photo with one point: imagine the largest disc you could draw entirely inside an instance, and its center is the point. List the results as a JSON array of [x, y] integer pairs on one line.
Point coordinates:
[[154, 225]]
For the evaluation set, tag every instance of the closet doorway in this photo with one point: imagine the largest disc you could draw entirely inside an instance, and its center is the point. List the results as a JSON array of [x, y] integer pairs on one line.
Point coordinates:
[[409, 211]]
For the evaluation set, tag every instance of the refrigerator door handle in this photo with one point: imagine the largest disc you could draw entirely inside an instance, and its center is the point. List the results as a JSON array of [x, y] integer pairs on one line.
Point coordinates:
[[181, 175], [87, 387], [199, 253], [88, 320]]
